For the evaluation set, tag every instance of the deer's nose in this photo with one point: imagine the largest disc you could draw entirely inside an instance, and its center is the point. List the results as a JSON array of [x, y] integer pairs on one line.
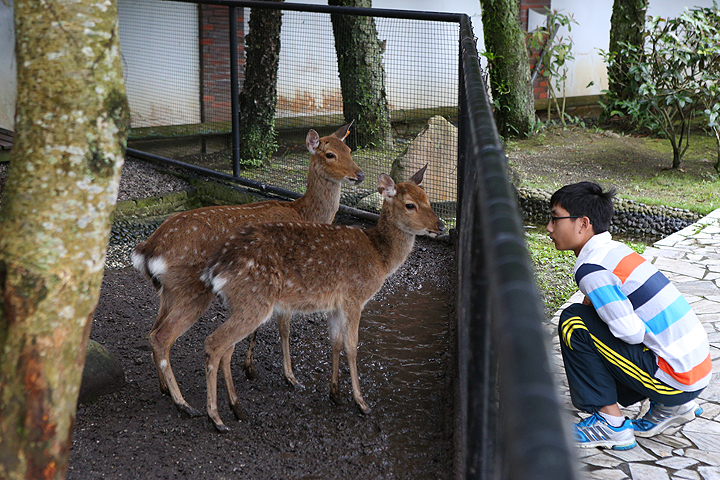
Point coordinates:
[[441, 227], [359, 177]]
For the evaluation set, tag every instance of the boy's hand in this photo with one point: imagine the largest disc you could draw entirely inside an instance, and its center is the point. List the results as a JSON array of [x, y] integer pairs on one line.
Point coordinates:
[[586, 301]]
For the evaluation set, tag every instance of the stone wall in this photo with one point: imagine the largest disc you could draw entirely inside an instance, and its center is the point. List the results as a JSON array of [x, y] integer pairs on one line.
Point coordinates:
[[631, 218]]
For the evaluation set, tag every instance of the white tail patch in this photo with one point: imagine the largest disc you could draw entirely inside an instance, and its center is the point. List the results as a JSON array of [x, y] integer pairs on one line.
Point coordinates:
[[218, 283], [157, 266], [138, 262]]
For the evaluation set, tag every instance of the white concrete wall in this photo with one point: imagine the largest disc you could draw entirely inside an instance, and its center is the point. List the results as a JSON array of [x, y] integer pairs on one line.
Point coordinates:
[[8, 83], [416, 66], [164, 49]]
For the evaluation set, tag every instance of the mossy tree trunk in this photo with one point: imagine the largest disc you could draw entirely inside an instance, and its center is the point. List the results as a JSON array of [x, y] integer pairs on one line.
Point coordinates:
[[509, 67], [627, 24], [258, 97], [362, 77], [71, 126]]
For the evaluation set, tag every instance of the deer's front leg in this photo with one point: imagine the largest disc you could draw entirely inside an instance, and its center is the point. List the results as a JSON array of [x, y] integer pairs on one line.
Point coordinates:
[[351, 342]]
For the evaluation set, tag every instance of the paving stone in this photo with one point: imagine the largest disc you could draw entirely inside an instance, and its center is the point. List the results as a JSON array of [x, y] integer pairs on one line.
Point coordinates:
[[709, 473], [677, 463], [639, 471], [701, 288], [602, 460], [681, 268], [702, 425], [605, 474], [706, 442], [705, 306], [637, 454], [686, 474], [659, 449]]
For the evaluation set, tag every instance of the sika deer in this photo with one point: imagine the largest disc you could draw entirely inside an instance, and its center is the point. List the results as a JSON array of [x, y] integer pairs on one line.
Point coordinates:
[[294, 267], [176, 253]]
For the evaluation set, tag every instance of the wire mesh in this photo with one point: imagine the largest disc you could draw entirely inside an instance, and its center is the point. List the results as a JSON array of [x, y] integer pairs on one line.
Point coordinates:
[[177, 70]]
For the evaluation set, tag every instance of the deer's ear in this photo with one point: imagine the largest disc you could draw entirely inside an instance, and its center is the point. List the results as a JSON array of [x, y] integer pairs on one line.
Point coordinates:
[[386, 186], [418, 177], [312, 141], [344, 131]]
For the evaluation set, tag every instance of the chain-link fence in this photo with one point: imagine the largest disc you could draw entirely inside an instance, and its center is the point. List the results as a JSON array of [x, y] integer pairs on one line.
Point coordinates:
[[177, 59]]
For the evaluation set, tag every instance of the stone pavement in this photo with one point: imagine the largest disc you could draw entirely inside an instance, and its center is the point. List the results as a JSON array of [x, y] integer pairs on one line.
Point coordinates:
[[690, 258]]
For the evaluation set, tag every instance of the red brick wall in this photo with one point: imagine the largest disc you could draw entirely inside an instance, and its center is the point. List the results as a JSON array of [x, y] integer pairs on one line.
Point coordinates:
[[215, 61], [540, 87]]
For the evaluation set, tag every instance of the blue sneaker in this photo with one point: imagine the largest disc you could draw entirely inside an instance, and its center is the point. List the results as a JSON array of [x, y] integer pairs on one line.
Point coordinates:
[[661, 417], [594, 431]]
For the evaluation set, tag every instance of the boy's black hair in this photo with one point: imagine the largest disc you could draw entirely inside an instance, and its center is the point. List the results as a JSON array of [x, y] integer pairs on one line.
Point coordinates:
[[586, 199]]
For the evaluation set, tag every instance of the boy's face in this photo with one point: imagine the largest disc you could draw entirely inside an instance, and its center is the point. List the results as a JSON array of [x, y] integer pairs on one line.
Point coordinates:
[[568, 233]]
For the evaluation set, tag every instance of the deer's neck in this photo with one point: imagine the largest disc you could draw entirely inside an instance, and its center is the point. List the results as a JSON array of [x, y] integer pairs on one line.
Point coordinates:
[[392, 244], [321, 200]]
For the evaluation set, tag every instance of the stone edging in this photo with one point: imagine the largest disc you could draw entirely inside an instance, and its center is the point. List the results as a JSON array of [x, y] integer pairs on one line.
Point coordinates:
[[631, 218]]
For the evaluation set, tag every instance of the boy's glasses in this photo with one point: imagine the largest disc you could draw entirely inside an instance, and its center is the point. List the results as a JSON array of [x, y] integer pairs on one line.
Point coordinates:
[[554, 219]]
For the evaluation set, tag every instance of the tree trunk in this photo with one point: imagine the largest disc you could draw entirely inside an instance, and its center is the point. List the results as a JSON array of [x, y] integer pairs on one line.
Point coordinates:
[[627, 24], [259, 94], [362, 77], [509, 67], [71, 126]]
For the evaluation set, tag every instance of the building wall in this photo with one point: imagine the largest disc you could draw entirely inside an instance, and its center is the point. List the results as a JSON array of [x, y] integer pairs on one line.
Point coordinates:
[[8, 83], [592, 34]]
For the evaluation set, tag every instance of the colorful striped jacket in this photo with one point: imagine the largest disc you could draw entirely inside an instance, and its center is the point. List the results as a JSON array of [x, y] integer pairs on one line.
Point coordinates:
[[640, 305]]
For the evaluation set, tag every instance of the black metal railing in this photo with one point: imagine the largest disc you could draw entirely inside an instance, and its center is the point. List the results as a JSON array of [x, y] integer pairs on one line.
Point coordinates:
[[511, 408]]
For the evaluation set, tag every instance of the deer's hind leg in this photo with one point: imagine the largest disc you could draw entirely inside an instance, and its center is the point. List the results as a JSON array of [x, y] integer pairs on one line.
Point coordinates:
[[244, 320], [177, 314]]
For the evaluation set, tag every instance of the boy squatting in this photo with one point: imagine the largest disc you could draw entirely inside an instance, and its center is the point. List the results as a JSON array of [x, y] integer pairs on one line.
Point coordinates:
[[633, 337]]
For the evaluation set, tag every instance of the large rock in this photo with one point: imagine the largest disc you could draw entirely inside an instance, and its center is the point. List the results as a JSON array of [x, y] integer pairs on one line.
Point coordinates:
[[436, 145], [103, 373]]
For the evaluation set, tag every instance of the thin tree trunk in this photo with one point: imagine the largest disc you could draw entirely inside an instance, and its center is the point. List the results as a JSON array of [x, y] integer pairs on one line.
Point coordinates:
[[510, 67], [258, 98], [362, 77], [71, 126]]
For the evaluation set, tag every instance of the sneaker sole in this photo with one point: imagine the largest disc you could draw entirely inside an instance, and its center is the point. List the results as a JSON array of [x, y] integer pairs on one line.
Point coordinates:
[[675, 421], [608, 445]]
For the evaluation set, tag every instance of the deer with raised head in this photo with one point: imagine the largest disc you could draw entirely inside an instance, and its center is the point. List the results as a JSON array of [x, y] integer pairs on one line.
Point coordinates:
[[176, 253], [304, 267]]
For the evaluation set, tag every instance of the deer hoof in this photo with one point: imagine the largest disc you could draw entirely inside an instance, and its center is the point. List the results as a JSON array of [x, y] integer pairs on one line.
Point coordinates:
[[189, 411], [295, 384], [364, 409], [239, 413], [335, 394], [220, 427]]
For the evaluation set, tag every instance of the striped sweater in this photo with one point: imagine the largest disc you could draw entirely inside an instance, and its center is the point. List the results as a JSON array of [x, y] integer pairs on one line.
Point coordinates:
[[640, 305]]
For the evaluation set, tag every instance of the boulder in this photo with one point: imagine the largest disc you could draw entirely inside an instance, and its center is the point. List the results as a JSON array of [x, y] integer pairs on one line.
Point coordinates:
[[437, 146], [103, 373]]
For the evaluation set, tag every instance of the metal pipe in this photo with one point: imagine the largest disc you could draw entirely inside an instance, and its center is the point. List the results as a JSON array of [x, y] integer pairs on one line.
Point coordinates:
[[358, 11], [261, 187], [538, 65], [234, 92]]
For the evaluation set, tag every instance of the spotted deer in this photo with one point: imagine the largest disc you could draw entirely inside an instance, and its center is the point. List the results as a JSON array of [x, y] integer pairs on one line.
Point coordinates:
[[290, 267], [176, 253]]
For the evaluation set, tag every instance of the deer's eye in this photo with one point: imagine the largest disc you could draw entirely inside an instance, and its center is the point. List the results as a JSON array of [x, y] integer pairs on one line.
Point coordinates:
[[329, 155], [410, 206]]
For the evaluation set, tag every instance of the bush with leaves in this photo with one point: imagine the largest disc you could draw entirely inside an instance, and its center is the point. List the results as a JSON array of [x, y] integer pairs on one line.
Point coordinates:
[[673, 74], [556, 54]]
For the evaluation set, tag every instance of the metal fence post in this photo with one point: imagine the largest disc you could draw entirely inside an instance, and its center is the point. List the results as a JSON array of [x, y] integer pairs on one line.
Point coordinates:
[[234, 92]]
